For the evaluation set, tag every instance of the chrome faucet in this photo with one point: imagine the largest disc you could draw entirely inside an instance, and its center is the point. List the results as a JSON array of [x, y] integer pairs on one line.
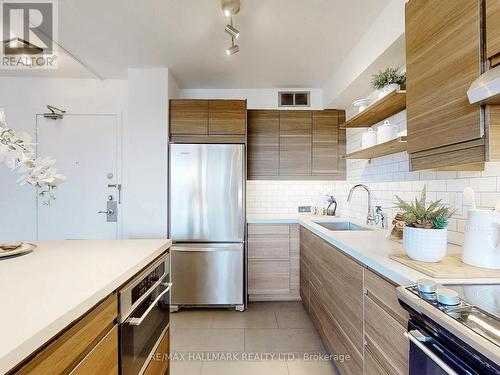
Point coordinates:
[[370, 218]]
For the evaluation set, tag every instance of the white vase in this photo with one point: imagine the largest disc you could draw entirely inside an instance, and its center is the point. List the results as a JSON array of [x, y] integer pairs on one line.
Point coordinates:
[[387, 89], [426, 245]]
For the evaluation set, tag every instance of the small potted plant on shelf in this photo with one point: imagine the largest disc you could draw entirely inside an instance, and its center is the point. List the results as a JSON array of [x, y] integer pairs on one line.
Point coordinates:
[[388, 80], [425, 236]]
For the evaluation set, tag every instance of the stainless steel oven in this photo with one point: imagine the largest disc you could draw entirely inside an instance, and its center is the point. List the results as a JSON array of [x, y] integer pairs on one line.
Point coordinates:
[[144, 316]]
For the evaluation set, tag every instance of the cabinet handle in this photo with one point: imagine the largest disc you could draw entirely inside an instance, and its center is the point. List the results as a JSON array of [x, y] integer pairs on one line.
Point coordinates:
[[416, 337]]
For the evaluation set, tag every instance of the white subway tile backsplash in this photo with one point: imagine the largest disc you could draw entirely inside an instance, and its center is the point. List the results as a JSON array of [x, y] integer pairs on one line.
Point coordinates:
[[387, 176]]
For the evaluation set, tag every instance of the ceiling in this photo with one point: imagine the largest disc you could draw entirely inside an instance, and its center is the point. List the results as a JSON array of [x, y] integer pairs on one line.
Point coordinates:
[[283, 43]]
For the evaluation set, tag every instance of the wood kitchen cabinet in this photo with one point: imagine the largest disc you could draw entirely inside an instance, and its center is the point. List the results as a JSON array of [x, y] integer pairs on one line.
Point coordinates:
[[385, 323], [493, 31], [90, 344], [333, 291], [443, 57], [296, 145], [263, 143], [328, 144], [188, 117], [355, 310], [273, 262], [207, 121]]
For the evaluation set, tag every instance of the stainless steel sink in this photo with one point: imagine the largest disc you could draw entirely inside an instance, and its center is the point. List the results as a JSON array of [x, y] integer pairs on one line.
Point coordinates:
[[341, 225]]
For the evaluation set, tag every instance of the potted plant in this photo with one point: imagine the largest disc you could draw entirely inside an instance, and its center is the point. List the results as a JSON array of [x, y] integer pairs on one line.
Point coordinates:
[[388, 80], [425, 236]]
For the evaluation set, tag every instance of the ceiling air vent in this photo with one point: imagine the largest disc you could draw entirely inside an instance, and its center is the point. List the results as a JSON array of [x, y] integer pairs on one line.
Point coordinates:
[[294, 98]]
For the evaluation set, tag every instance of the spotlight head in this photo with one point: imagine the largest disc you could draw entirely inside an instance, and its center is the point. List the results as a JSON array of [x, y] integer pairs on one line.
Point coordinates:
[[232, 31], [232, 50]]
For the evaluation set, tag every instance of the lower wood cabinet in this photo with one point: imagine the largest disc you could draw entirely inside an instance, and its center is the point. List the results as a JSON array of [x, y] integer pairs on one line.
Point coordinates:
[[103, 359], [91, 343], [333, 291], [273, 262], [356, 311], [385, 324]]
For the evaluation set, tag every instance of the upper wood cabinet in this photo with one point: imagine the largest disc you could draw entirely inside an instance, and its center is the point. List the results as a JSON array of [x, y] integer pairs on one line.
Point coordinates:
[[296, 144], [444, 55], [493, 31], [189, 116], [328, 144], [205, 121], [227, 117], [442, 60], [263, 143]]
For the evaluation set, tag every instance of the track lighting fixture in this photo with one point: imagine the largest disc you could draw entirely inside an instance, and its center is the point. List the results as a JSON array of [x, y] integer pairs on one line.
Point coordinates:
[[230, 8]]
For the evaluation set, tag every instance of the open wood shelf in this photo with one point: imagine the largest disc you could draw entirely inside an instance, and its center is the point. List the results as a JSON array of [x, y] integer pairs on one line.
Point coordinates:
[[379, 110], [391, 147]]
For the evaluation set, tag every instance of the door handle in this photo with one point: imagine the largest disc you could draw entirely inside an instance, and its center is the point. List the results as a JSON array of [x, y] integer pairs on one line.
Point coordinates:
[[111, 212], [108, 212]]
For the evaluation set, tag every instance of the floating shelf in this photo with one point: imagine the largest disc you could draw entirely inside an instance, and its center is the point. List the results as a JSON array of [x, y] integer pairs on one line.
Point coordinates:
[[392, 147], [379, 110]]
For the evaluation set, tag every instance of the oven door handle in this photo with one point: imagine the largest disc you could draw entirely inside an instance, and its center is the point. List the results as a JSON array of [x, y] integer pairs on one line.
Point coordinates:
[[416, 337], [138, 321]]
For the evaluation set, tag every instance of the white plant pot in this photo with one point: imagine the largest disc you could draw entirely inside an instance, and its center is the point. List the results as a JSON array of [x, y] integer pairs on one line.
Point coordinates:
[[387, 89], [426, 245]]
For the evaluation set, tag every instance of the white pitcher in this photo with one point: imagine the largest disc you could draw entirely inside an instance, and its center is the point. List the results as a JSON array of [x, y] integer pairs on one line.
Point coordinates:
[[482, 239]]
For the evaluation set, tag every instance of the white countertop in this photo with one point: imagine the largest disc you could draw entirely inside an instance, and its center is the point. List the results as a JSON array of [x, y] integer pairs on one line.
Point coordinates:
[[372, 248], [41, 293]]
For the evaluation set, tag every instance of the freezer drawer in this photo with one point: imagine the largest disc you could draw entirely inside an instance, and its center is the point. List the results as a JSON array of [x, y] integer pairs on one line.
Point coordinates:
[[207, 274], [207, 190]]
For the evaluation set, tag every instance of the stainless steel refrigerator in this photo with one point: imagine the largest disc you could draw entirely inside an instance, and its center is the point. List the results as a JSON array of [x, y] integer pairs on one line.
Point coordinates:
[[207, 224]]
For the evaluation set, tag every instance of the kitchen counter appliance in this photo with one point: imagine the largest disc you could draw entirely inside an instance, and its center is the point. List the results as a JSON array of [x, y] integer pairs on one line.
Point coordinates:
[[453, 329], [144, 316], [207, 224]]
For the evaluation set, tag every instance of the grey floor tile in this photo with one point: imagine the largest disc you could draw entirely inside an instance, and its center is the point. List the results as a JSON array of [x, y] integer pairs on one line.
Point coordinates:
[[311, 368], [282, 340], [245, 368], [294, 319], [276, 306], [185, 367], [191, 319], [208, 340], [247, 319]]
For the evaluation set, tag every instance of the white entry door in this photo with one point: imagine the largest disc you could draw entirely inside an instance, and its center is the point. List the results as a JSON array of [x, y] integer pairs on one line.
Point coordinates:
[[87, 149]]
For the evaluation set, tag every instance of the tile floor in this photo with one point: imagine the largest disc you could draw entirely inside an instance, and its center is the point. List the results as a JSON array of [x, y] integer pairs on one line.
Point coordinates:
[[268, 338]]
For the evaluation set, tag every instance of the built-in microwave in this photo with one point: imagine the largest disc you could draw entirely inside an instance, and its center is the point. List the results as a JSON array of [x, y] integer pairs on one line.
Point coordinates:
[[144, 316]]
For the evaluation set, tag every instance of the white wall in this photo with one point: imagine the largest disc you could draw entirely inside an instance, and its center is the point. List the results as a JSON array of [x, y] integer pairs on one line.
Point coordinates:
[[257, 98], [146, 173], [22, 99]]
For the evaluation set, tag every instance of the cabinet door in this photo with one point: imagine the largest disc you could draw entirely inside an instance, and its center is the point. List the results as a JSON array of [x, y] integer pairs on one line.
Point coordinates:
[[442, 59], [295, 143], [343, 279], [493, 31], [103, 359], [268, 276], [227, 117], [385, 339], [189, 116], [325, 140], [263, 143]]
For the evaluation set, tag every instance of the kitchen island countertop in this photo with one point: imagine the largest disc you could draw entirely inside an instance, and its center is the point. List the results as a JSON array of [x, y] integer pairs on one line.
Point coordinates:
[[44, 291]]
